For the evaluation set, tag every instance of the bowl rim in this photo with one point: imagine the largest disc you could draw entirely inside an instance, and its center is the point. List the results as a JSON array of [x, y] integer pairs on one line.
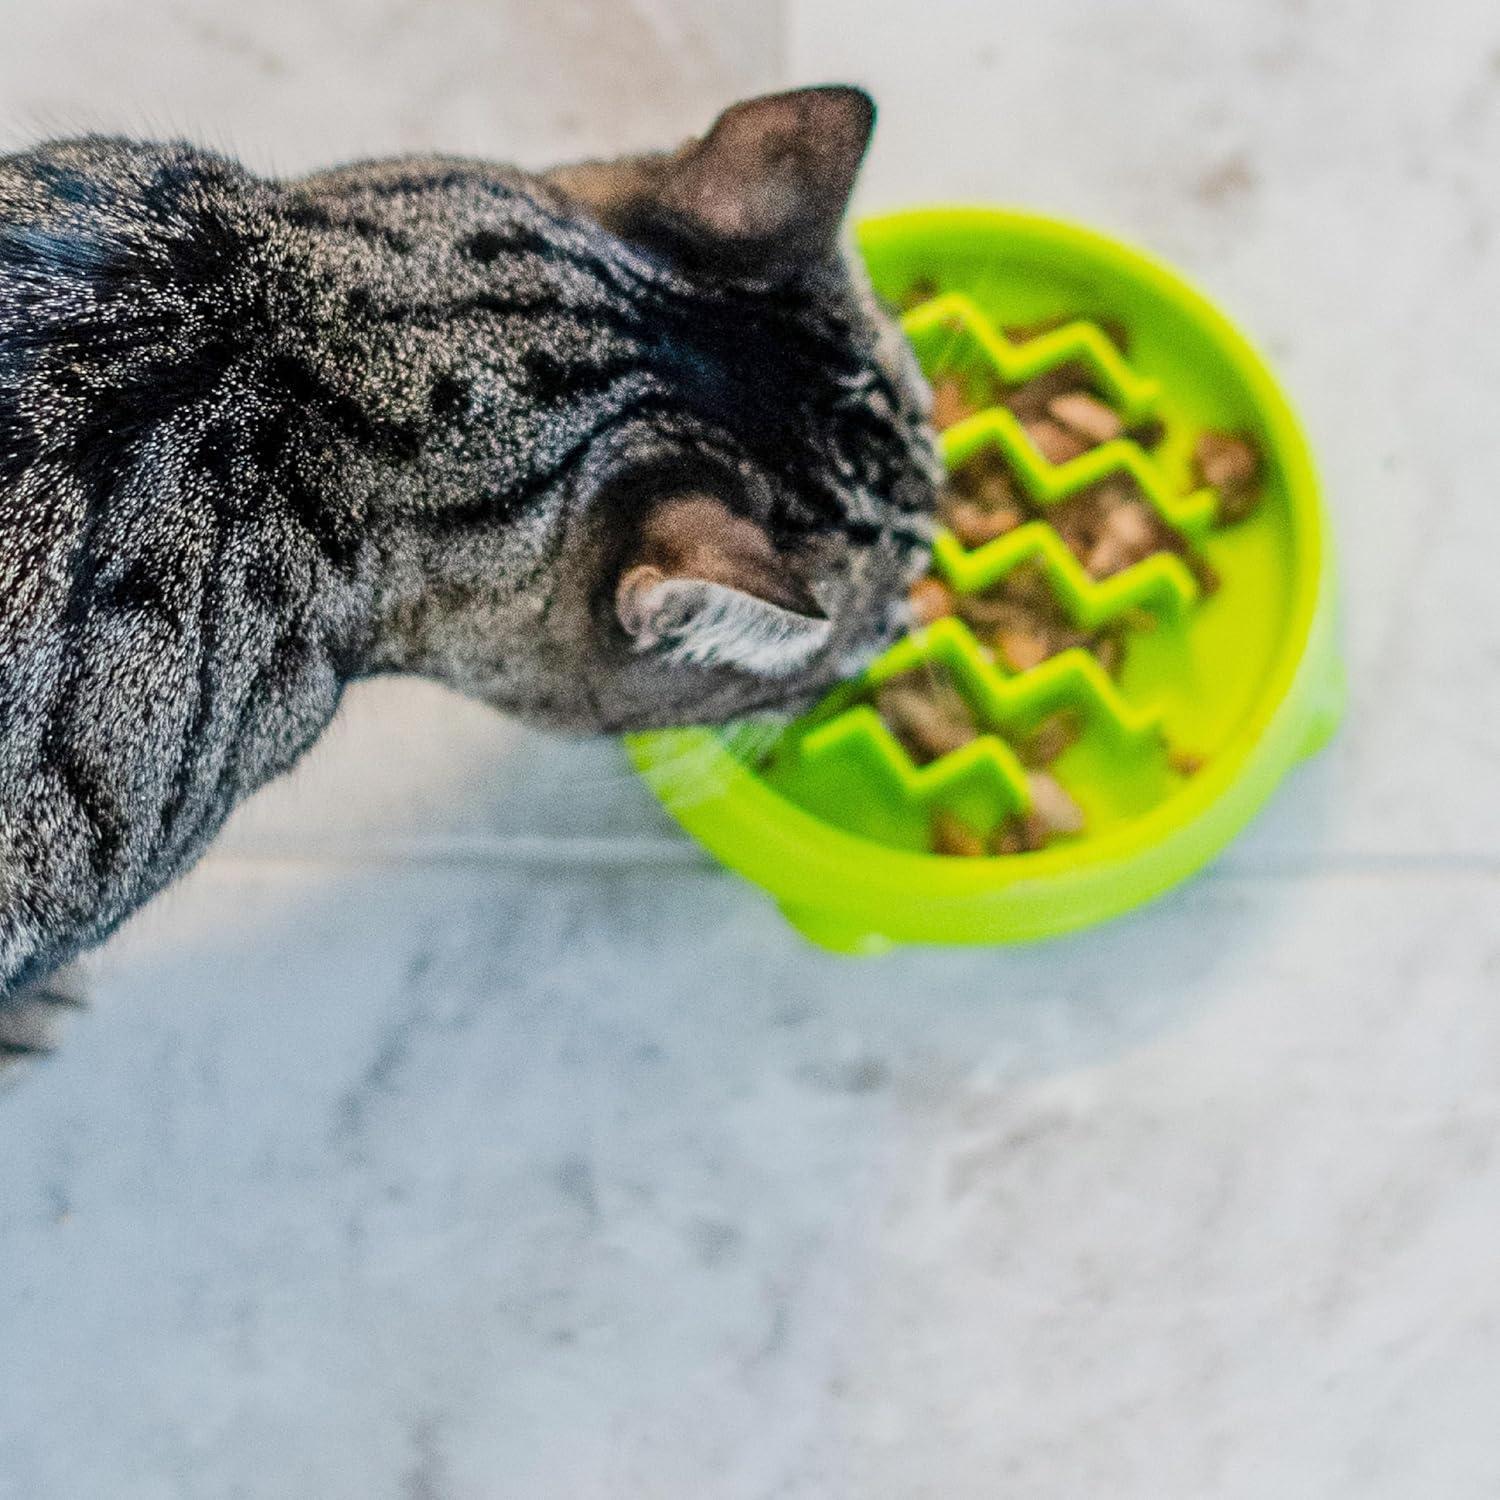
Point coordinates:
[[808, 863]]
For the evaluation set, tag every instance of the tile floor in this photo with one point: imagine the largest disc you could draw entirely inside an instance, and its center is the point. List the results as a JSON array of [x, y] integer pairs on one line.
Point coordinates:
[[457, 1132]]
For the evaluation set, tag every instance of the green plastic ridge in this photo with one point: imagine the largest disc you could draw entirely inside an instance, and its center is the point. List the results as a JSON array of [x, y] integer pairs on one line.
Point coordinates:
[[1005, 701], [1160, 584], [954, 313], [1002, 701]]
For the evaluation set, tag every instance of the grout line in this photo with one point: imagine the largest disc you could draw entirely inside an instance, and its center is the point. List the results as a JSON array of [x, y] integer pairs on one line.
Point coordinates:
[[1375, 864], [455, 849], [647, 852]]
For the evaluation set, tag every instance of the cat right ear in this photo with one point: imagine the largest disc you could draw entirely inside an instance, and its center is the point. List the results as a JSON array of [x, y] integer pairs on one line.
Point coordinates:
[[762, 193]]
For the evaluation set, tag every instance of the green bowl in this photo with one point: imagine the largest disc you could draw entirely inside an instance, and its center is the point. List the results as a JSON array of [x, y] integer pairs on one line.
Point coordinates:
[[834, 824]]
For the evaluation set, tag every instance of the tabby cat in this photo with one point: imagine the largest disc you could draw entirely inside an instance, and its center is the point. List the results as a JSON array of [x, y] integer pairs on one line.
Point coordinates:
[[620, 445]]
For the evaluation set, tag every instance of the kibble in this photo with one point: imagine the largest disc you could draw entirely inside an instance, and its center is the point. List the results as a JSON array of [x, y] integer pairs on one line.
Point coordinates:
[[1028, 402], [1087, 416], [951, 402], [1148, 433], [1021, 833], [930, 599], [1056, 443], [1050, 802], [1051, 739], [1023, 649], [1019, 621], [1231, 464], [952, 836], [973, 525], [924, 709]]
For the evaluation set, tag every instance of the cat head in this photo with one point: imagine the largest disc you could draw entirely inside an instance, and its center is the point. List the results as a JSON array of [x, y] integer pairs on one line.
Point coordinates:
[[708, 440], [751, 538]]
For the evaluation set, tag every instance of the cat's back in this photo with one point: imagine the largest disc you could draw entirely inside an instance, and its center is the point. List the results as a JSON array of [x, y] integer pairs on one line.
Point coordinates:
[[112, 259], [154, 581]]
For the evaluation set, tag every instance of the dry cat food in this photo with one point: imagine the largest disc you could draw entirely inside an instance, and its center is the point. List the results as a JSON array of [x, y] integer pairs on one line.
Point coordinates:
[[1108, 526], [925, 710]]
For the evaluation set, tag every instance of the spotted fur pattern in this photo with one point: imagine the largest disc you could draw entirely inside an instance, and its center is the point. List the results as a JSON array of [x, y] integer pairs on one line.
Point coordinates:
[[258, 439]]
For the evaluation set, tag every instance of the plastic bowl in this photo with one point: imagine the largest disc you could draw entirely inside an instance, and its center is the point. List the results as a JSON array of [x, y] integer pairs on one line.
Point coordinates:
[[1248, 681]]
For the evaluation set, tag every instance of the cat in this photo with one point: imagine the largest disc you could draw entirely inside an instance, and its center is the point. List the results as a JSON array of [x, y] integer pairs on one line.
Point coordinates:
[[619, 445]]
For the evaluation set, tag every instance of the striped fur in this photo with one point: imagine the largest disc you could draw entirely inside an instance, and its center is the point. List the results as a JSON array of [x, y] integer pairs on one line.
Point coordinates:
[[258, 439]]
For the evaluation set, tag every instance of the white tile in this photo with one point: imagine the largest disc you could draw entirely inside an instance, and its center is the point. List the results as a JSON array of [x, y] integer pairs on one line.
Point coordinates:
[[293, 85], [1355, 241], [347, 1168], [456, 1132], [410, 768]]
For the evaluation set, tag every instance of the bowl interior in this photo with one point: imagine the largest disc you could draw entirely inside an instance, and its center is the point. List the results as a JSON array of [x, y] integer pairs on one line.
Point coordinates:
[[835, 824], [1201, 673]]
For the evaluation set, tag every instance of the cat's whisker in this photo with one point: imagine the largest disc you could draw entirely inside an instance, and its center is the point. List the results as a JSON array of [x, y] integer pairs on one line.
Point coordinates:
[[697, 771]]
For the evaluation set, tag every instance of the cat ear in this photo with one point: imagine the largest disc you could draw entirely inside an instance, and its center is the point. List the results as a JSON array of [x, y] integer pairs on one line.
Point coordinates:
[[763, 193], [707, 587], [769, 184]]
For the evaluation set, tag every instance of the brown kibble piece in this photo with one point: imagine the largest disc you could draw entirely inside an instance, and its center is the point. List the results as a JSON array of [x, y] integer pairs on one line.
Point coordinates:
[[1105, 558], [1054, 736], [1022, 616], [930, 599], [951, 835], [1027, 585], [926, 712], [988, 611], [986, 481], [974, 526], [1035, 834], [1231, 464], [1204, 571], [1028, 401], [1022, 833], [923, 289], [1087, 416], [1110, 651], [951, 402], [1032, 831], [1079, 520], [1056, 443], [1052, 804], [1128, 533], [1147, 433], [1023, 635], [1115, 331], [1023, 649], [1009, 837], [1226, 460], [1186, 762]]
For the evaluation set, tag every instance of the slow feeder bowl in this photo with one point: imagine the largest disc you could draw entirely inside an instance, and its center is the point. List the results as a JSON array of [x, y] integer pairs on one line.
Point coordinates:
[[835, 823]]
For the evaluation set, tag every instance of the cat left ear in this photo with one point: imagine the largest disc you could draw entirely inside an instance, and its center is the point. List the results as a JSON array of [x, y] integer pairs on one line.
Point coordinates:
[[707, 587]]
